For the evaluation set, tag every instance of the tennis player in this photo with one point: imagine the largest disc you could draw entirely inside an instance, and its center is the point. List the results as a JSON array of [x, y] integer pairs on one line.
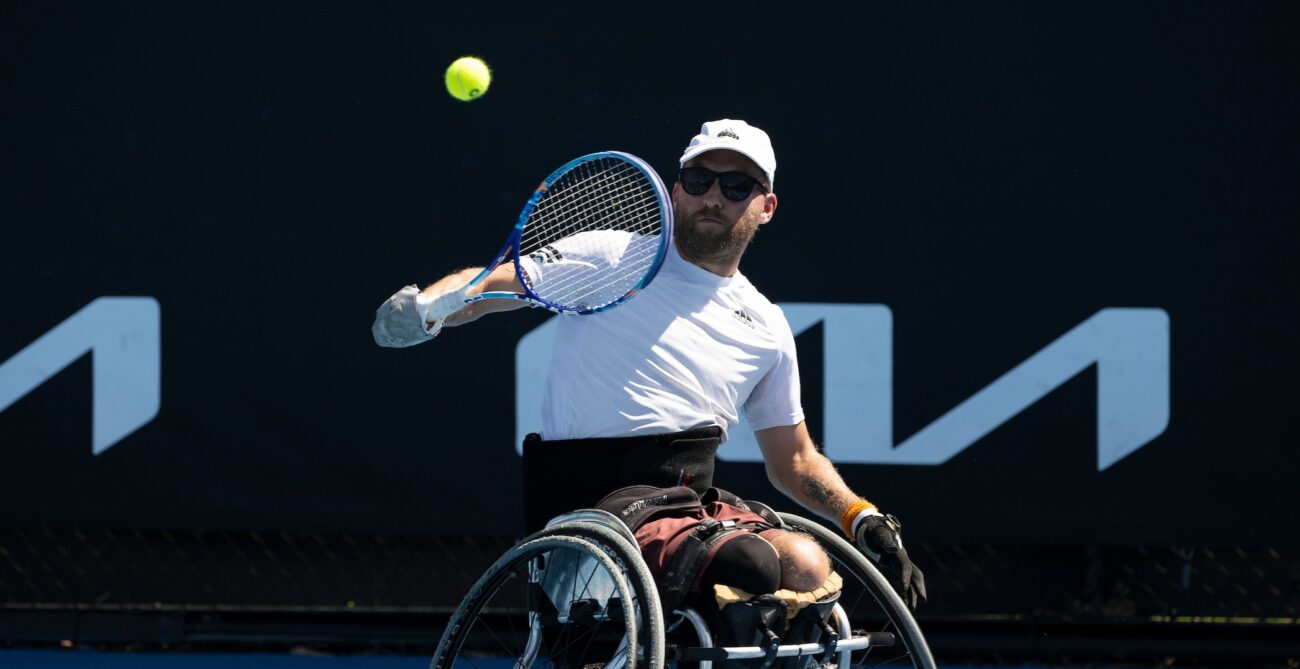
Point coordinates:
[[643, 395]]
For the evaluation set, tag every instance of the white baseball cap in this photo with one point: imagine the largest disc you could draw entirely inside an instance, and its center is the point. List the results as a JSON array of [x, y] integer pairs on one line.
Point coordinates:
[[738, 136]]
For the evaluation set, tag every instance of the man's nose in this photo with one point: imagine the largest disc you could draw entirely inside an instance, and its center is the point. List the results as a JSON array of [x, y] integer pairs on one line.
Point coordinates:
[[713, 196]]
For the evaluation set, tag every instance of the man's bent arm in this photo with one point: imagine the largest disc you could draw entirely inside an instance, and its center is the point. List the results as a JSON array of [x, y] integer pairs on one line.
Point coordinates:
[[797, 469]]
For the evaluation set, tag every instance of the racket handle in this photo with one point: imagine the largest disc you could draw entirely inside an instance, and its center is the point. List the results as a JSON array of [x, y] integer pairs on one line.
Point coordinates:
[[446, 304]]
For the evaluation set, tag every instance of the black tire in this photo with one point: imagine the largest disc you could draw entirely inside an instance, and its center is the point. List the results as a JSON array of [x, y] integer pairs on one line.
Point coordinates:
[[494, 619], [627, 556], [868, 597]]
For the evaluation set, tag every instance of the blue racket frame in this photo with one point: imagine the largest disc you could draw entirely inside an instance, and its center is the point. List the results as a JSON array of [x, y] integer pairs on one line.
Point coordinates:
[[511, 248]]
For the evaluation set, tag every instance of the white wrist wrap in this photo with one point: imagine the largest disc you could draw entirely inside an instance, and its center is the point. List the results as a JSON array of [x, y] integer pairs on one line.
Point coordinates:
[[423, 305], [444, 305]]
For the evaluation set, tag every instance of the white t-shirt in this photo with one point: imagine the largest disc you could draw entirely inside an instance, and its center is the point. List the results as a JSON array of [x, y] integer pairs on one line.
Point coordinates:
[[693, 349]]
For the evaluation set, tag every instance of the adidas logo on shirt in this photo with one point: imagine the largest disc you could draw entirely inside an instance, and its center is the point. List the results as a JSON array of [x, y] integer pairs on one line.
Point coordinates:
[[743, 317]]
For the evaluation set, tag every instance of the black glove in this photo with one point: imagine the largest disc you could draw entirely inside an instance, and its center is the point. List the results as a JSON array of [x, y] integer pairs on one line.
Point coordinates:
[[878, 538]]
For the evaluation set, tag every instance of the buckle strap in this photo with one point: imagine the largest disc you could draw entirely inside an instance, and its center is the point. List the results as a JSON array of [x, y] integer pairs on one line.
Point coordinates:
[[691, 556]]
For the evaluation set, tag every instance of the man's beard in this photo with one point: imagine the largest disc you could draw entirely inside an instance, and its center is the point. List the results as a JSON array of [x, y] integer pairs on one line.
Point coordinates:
[[707, 243]]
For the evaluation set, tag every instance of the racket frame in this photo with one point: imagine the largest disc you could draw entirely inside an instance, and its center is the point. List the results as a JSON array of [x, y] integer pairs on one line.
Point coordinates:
[[455, 300]]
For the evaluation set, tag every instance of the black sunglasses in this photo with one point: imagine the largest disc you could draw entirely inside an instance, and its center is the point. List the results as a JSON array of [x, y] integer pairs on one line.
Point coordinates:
[[735, 186]]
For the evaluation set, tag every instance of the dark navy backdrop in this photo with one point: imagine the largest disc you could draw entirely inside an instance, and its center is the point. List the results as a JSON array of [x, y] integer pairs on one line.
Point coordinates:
[[994, 173]]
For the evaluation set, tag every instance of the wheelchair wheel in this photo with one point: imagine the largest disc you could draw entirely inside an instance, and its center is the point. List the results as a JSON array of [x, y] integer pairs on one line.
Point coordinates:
[[870, 601], [552, 602], [646, 609]]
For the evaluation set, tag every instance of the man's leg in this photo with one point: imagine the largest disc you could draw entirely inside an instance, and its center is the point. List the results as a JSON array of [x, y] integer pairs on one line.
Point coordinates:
[[804, 565], [746, 562], [767, 563]]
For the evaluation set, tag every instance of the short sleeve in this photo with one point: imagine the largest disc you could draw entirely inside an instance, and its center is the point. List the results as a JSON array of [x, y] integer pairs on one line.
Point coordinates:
[[594, 267], [776, 401]]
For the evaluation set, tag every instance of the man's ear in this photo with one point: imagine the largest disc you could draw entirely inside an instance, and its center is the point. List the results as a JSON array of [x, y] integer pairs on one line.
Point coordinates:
[[769, 208]]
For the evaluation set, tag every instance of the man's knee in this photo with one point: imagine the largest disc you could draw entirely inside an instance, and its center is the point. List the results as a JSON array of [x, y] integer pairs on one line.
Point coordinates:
[[804, 565], [746, 562], [767, 563]]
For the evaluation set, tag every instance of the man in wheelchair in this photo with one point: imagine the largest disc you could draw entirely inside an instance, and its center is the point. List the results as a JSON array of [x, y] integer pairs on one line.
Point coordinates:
[[640, 397]]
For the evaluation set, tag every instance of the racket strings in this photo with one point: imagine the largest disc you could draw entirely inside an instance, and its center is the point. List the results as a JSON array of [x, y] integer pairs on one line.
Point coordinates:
[[576, 205], [626, 259], [607, 286], [604, 283], [602, 207], [605, 196], [592, 192], [567, 197]]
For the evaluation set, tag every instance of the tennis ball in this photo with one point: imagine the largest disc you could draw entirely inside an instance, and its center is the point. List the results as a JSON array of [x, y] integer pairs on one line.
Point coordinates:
[[468, 78]]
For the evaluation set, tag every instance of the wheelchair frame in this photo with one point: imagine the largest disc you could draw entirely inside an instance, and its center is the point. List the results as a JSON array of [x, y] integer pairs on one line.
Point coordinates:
[[603, 555]]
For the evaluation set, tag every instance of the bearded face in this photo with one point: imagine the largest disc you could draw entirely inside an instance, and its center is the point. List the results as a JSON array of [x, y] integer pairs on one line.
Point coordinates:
[[708, 234], [711, 229]]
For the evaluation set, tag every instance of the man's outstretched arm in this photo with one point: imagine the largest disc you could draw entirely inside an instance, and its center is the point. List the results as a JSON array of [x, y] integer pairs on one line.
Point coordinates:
[[400, 321]]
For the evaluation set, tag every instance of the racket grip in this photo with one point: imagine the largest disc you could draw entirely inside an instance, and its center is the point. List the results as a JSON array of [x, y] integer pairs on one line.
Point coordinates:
[[446, 304]]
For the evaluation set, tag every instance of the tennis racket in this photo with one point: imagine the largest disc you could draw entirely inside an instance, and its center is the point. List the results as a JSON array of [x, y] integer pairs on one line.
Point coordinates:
[[592, 235]]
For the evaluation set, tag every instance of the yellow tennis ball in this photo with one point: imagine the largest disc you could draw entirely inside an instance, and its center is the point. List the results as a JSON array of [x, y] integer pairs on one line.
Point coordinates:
[[468, 78]]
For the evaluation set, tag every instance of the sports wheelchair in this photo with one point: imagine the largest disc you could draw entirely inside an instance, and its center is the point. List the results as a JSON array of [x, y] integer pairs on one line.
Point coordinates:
[[577, 595]]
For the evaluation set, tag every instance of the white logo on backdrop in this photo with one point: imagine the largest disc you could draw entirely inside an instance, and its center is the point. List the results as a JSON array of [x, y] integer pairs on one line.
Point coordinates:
[[123, 336], [1130, 348]]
